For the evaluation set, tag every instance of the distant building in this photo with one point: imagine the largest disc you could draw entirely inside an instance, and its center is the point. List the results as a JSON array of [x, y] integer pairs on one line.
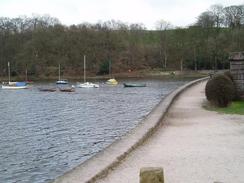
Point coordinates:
[[237, 69]]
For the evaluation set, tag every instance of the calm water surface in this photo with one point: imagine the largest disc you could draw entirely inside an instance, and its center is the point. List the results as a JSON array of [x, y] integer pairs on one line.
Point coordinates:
[[43, 134]]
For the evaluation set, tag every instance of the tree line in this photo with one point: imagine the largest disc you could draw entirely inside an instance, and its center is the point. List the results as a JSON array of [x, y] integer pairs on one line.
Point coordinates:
[[41, 43]]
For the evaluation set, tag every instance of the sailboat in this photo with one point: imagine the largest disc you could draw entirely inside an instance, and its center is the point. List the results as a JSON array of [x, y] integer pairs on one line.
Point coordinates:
[[86, 84], [13, 85], [111, 81], [61, 81]]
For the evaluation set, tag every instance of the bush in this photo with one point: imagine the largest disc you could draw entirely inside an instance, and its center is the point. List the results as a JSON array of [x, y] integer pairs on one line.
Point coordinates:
[[220, 90]]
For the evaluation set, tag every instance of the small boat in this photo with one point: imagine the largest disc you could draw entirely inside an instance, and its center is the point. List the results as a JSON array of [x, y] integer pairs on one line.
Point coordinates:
[[134, 85], [61, 81], [47, 89], [86, 84], [69, 89], [13, 85], [112, 82]]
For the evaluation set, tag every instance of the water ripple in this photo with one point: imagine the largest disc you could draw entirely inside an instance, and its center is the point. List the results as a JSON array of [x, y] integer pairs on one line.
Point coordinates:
[[45, 134]]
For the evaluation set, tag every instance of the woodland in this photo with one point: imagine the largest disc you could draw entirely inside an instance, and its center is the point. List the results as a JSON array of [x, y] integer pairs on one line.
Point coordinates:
[[40, 43]]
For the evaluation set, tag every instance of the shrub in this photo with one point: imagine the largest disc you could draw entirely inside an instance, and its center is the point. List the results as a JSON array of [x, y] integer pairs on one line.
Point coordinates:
[[220, 90]]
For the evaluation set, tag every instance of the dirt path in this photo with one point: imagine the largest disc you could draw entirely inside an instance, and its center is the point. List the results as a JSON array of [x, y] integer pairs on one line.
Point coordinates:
[[193, 146]]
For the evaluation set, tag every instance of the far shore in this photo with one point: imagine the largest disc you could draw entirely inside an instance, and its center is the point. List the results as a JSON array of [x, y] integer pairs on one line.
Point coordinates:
[[124, 75]]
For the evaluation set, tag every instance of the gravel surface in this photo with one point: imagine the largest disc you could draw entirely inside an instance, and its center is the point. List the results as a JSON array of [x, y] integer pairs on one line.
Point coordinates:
[[193, 146]]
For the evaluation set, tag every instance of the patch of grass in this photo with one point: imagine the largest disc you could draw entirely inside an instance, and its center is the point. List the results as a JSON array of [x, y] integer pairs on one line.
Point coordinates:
[[236, 107]]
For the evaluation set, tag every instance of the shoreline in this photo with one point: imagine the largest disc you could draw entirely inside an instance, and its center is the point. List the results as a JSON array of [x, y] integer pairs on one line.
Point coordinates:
[[125, 75], [100, 164]]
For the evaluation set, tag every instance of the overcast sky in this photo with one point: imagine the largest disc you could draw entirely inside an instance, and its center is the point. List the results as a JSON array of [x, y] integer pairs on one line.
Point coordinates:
[[148, 12]]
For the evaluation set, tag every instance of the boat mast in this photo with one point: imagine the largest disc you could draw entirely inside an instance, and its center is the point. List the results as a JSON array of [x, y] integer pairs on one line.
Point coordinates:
[[8, 72], [26, 79], [110, 69], [84, 68], [59, 72]]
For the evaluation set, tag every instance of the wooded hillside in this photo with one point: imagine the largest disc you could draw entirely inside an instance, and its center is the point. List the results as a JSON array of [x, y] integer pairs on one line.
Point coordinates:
[[41, 43]]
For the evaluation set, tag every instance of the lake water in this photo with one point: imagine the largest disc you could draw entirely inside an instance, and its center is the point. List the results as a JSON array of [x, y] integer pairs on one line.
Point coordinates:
[[44, 134]]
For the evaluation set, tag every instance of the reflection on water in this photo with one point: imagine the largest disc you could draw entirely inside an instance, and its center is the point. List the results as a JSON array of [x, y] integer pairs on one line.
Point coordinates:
[[44, 134]]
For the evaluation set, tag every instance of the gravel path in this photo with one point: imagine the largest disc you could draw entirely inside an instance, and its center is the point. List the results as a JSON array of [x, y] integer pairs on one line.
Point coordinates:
[[193, 146]]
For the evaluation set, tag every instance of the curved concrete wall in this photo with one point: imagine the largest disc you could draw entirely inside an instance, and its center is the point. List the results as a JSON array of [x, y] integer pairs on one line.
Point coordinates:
[[100, 164]]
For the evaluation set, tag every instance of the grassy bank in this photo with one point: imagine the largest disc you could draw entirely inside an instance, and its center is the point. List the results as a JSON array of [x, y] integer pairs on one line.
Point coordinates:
[[236, 107]]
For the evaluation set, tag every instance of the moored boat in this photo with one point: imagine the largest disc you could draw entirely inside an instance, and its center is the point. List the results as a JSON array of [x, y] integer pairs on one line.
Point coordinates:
[[47, 89], [86, 84], [134, 85], [112, 82], [13, 85], [61, 81], [68, 89]]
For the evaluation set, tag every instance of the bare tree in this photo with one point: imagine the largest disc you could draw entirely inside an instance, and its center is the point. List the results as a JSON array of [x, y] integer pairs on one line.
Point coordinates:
[[206, 19], [162, 26], [234, 16], [218, 15]]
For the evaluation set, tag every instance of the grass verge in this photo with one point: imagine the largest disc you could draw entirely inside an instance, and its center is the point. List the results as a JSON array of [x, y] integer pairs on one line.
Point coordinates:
[[236, 107]]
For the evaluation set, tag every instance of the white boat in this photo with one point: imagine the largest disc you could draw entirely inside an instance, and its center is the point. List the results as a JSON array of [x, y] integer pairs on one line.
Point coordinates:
[[86, 84], [61, 81], [13, 85]]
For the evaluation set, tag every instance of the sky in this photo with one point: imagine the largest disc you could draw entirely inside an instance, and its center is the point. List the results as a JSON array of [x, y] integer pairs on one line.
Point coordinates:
[[178, 12]]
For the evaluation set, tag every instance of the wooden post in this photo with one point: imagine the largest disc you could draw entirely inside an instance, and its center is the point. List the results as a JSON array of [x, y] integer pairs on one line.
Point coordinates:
[[151, 175]]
